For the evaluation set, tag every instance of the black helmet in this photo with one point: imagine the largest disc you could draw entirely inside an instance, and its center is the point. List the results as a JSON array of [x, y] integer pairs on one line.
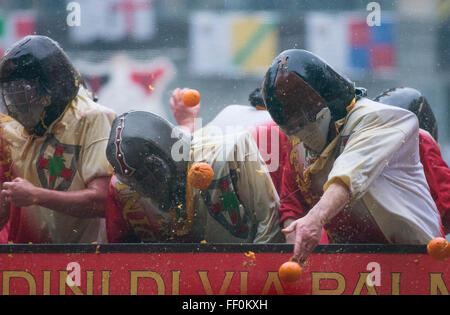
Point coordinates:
[[148, 153], [412, 100], [255, 98], [37, 82], [298, 85]]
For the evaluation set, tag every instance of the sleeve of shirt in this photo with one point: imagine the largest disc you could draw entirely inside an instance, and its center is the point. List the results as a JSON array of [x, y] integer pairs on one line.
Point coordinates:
[[437, 174], [372, 143], [94, 163], [257, 191], [117, 228]]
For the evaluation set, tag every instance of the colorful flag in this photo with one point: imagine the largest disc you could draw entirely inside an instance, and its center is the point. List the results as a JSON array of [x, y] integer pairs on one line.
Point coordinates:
[[254, 42], [371, 47], [349, 44], [233, 43]]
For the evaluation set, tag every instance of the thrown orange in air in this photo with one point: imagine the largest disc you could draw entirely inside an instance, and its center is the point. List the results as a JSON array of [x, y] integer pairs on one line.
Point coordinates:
[[200, 176], [191, 98], [439, 248], [290, 271]]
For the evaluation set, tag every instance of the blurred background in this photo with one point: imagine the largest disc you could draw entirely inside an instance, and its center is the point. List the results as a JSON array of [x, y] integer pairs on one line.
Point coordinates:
[[133, 53]]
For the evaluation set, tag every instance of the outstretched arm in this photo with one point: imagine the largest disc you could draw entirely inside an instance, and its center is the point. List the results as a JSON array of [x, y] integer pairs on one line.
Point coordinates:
[[86, 203], [309, 228]]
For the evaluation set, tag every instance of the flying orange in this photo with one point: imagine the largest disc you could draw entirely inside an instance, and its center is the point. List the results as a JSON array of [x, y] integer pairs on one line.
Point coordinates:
[[191, 98], [290, 271]]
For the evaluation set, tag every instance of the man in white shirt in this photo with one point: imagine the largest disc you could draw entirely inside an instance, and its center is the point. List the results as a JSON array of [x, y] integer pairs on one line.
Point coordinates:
[[361, 156]]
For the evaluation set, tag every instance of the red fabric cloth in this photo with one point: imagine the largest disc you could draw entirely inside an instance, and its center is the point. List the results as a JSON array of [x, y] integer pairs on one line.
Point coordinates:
[[4, 234], [117, 228], [437, 174], [284, 177], [5, 176]]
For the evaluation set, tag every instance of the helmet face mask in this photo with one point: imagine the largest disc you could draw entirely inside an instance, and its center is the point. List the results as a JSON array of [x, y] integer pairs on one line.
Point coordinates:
[[300, 102], [314, 136], [154, 180], [37, 81], [297, 87], [24, 101], [140, 151]]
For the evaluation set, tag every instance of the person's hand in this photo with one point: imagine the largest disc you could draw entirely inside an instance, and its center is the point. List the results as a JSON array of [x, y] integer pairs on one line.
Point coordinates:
[[20, 192], [184, 115], [290, 237], [307, 231], [4, 202]]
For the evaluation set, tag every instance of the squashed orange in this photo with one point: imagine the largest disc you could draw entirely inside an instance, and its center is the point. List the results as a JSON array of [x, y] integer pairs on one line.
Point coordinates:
[[200, 176]]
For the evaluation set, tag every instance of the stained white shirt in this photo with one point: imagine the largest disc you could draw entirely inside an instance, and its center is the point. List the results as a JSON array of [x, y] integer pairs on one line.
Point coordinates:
[[378, 159]]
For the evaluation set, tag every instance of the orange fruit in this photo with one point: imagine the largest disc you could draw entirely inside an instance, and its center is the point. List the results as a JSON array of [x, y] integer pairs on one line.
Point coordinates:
[[191, 98], [438, 248], [200, 176], [290, 271]]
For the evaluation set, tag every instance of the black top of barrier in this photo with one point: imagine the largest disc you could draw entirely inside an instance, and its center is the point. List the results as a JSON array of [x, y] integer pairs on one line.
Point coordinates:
[[207, 248]]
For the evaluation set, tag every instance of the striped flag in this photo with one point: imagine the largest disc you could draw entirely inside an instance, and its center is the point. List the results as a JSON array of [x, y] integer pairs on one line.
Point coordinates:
[[371, 47], [233, 43], [348, 43], [254, 43]]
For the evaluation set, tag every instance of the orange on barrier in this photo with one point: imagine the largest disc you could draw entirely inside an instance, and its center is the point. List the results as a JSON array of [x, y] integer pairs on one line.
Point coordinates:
[[438, 248], [290, 271]]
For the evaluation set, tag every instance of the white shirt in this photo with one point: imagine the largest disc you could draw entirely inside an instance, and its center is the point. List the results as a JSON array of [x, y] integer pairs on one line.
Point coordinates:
[[237, 118], [378, 159]]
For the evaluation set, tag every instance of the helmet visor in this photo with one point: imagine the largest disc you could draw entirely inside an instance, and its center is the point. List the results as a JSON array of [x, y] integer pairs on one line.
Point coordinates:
[[298, 101], [23, 101]]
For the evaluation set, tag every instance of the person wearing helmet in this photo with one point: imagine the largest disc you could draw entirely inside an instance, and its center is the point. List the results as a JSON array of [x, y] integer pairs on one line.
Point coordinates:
[[150, 199], [57, 139], [362, 159], [436, 170], [275, 148]]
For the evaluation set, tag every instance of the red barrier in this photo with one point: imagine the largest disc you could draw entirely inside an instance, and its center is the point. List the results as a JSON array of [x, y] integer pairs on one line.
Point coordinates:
[[217, 269]]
